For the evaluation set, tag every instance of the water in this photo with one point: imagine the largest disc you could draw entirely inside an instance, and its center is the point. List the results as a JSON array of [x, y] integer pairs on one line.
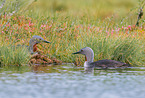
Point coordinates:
[[71, 82]]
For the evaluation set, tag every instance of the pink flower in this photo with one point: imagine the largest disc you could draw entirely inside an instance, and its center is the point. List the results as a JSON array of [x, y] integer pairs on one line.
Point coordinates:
[[30, 24], [26, 28], [33, 28], [107, 32], [133, 25], [7, 39], [112, 33], [5, 16], [31, 31], [129, 27], [2, 32], [23, 41], [8, 25], [50, 26], [122, 27], [43, 26]]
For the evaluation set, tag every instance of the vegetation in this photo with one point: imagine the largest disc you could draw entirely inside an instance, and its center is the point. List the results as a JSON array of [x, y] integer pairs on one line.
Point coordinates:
[[108, 27], [10, 55]]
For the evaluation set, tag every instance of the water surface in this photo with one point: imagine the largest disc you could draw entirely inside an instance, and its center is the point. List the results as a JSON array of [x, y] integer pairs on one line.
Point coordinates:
[[66, 81]]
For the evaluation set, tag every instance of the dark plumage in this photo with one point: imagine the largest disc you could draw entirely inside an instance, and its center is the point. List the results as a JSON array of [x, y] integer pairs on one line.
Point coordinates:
[[109, 63]]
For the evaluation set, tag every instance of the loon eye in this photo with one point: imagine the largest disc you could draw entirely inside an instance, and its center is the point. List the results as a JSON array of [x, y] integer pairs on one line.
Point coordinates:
[[81, 50]]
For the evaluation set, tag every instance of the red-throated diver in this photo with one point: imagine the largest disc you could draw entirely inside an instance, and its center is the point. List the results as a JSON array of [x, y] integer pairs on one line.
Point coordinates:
[[89, 54], [40, 58], [34, 41]]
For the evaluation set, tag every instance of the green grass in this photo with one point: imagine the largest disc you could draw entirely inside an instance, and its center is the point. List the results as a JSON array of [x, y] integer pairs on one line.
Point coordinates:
[[120, 48], [10, 55], [102, 25]]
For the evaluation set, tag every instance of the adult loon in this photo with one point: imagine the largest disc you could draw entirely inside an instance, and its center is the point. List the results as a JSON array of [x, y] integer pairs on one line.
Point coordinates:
[[34, 41], [89, 55]]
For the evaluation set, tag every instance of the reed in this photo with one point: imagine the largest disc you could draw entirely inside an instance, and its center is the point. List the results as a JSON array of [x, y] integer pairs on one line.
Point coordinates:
[[10, 55]]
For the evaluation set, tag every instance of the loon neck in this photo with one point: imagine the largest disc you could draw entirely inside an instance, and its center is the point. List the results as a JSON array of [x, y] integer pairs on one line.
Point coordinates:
[[33, 48], [89, 57]]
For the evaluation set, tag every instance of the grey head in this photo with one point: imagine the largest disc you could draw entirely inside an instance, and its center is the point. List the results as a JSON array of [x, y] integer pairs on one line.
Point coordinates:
[[88, 52], [36, 40]]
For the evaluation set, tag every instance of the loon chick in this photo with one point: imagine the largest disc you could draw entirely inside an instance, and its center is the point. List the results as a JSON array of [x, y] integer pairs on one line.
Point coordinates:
[[89, 55], [34, 41]]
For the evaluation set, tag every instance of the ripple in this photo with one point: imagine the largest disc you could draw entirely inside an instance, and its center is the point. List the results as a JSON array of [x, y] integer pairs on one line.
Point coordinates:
[[69, 82]]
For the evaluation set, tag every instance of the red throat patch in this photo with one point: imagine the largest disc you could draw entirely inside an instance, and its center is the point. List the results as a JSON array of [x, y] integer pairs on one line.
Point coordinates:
[[85, 58], [34, 47]]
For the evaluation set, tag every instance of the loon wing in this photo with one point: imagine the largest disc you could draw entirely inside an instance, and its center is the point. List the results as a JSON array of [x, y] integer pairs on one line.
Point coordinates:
[[109, 63]]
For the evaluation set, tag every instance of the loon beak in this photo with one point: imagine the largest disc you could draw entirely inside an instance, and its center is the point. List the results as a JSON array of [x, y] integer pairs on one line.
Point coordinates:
[[76, 52], [46, 41]]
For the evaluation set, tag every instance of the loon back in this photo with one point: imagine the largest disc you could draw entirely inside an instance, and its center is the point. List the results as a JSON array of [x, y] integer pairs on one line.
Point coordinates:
[[109, 63]]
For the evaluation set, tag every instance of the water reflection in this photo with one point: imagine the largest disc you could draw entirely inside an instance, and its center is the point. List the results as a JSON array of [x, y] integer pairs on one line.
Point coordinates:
[[69, 69], [95, 71], [45, 69], [66, 81]]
